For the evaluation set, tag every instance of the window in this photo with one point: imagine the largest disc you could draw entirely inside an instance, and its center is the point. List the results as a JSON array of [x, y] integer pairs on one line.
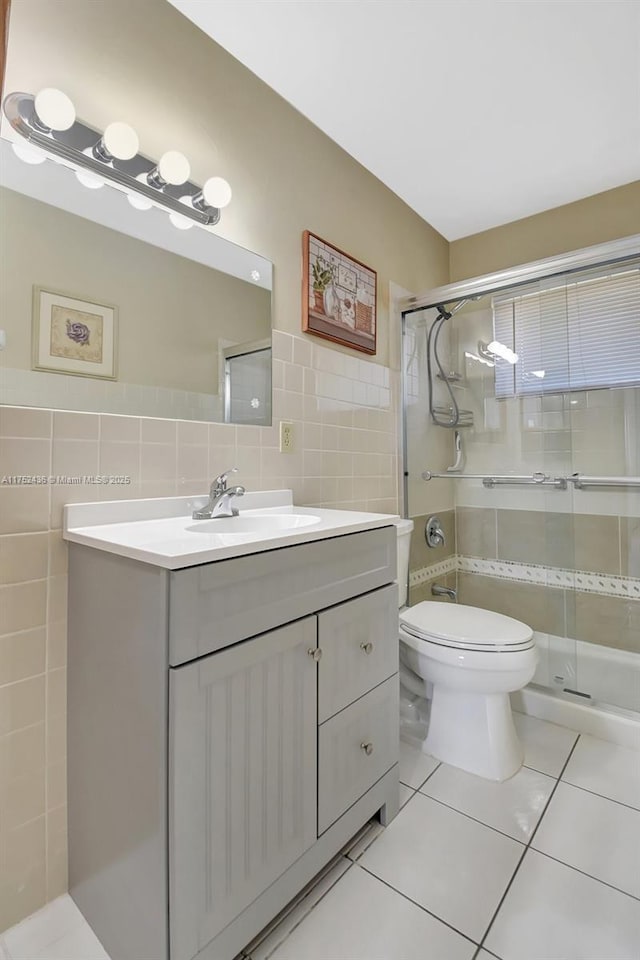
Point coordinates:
[[580, 333]]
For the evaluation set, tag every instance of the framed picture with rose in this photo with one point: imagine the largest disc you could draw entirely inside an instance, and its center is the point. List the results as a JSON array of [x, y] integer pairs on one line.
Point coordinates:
[[73, 335], [338, 295]]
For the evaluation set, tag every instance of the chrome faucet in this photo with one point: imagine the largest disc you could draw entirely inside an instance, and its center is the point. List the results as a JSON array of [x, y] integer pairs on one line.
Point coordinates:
[[220, 499], [439, 591]]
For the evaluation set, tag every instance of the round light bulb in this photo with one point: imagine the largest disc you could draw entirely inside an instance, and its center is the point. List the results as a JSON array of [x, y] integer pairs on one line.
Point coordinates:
[[121, 140], [89, 180], [139, 202], [216, 192], [182, 223], [28, 153], [174, 168], [54, 109]]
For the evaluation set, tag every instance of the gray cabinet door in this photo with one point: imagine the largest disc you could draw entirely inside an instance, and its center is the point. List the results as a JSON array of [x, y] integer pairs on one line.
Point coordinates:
[[242, 777], [359, 643]]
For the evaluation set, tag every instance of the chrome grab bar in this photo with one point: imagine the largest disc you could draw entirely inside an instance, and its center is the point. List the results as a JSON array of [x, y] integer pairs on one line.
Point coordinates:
[[538, 479], [582, 483], [535, 479]]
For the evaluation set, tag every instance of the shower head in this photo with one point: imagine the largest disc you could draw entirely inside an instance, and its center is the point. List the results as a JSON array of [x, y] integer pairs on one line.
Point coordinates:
[[447, 314]]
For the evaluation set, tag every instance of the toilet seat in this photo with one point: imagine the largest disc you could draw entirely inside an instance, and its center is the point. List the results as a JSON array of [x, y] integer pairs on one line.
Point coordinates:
[[494, 659], [464, 628]]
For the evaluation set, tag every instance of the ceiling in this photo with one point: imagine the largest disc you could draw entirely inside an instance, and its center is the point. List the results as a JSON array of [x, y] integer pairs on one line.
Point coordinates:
[[475, 112]]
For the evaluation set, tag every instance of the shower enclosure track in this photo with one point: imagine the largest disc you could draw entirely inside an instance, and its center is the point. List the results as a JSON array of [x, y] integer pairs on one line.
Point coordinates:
[[539, 479]]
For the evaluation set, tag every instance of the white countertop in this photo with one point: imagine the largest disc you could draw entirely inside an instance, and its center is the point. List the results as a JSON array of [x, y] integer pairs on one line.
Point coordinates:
[[156, 531]]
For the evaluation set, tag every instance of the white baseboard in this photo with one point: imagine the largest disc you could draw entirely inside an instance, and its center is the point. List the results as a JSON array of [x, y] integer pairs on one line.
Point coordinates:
[[585, 718]]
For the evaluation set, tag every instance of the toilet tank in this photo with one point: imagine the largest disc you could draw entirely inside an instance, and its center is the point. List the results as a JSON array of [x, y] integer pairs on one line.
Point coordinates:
[[403, 529]]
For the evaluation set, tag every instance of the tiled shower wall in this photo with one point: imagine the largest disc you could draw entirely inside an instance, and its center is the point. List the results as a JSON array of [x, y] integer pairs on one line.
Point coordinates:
[[568, 542], [574, 578], [345, 437]]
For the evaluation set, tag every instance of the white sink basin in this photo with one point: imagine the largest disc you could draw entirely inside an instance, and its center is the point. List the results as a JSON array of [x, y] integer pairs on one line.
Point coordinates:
[[260, 523], [160, 530]]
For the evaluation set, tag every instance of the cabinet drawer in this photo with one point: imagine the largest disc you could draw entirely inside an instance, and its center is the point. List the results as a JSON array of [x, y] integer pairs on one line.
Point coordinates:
[[217, 604], [359, 642], [345, 769]]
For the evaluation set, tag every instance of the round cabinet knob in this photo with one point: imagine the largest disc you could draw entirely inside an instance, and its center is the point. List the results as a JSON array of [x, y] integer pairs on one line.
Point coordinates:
[[367, 747], [315, 653], [367, 647]]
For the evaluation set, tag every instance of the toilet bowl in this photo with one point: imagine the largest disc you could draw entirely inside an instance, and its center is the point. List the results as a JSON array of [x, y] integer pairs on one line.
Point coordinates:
[[458, 665], [473, 659]]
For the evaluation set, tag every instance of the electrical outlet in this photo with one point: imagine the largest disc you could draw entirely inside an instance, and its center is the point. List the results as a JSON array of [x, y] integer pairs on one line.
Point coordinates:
[[286, 437]]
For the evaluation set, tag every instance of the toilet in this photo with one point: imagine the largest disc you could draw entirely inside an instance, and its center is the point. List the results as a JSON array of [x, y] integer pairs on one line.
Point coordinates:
[[467, 661]]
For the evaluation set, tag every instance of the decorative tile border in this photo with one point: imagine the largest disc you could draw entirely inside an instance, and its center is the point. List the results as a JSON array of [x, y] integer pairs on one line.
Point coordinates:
[[580, 580], [417, 577]]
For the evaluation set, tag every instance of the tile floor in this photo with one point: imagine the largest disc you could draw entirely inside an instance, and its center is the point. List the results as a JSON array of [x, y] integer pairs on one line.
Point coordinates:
[[543, 867]]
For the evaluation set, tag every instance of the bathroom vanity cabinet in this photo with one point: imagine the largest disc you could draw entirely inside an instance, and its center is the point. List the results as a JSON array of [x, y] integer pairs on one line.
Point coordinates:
[[231, 726]]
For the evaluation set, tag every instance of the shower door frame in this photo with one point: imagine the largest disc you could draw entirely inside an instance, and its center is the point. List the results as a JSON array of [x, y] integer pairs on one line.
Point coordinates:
[[598, 255]]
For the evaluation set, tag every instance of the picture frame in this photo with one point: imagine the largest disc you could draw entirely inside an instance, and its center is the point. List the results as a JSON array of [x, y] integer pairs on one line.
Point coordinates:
[[339, 295], [74, 335]]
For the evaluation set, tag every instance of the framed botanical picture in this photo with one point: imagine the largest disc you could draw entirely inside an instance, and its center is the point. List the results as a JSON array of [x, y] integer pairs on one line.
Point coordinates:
[[72, 335], [338, 295]]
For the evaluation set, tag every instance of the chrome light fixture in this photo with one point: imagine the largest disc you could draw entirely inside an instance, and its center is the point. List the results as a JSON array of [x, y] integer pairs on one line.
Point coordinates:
[[49, 128]]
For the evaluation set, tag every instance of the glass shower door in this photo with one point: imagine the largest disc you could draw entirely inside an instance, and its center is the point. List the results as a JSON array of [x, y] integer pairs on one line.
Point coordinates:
[[514, 543], [604, 407]]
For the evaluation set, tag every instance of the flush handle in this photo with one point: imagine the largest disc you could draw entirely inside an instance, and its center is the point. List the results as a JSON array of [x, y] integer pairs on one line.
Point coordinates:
[[367, 647], [367, 747], [315, 653]]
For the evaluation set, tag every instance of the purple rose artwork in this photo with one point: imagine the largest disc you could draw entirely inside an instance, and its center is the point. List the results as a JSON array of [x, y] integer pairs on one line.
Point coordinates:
[[74, 336], [78, 332]]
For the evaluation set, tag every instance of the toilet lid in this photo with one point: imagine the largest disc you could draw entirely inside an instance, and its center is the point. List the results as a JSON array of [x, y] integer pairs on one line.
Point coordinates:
[[462, 626]]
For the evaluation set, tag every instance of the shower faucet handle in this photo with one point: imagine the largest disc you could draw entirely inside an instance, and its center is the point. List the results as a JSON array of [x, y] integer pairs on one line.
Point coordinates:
[[433, 532]]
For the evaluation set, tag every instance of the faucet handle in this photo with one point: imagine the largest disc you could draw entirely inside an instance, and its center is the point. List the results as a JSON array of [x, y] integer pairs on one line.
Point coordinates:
[[220, 483]]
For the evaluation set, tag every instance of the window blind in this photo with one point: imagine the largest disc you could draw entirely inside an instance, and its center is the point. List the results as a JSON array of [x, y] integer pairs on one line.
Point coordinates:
[[580, 334]]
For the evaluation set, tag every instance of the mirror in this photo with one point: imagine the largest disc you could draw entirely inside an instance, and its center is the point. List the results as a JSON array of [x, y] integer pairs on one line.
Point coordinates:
[[111, 309]]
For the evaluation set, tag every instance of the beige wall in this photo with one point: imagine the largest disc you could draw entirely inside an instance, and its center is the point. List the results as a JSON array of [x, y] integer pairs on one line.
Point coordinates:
[[144, 63], [171, 311], [605, 216]]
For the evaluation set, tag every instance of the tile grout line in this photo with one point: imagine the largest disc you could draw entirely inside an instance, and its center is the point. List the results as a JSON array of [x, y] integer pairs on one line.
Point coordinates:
[[527, 847], [428, 777], [474, 819], [419, 905], [585, 874], [603, 796]]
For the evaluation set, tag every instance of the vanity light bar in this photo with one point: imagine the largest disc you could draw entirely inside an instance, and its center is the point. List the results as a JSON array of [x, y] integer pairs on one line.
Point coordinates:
[[48, 121]]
